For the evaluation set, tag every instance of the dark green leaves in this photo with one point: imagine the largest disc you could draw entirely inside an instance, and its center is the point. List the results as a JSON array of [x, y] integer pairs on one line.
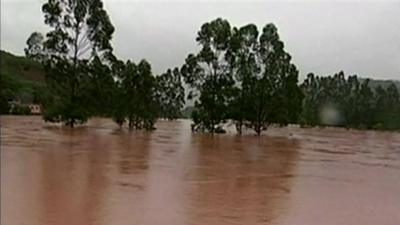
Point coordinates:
[[207, 74], [135, 95], [76, 53], [170, 94], [353, 102], [34, 49], [241, 75]]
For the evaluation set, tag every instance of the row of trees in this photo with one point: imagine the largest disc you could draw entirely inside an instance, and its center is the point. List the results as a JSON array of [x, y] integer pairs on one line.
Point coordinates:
[[239, 74], [335, 100], [84, 78], [243, 75]]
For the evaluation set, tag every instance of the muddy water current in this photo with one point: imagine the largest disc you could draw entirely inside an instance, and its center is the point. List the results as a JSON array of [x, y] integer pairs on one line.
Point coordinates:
[[102, 175]]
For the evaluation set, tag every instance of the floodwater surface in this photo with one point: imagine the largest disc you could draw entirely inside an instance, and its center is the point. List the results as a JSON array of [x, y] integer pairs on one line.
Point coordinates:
[[102, 175]]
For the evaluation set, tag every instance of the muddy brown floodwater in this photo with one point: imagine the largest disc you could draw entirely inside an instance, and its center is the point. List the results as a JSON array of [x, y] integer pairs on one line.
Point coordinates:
[[101, 175]]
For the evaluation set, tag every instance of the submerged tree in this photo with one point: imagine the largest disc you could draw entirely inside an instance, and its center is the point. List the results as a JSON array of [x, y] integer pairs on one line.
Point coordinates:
[[242, 57], [138, 100], [310, 105], [118, 106], [242, 76], [207, 74], [80, 31], [170, 94], [365, 113], [100, 87], [269, 93], [387, 108]]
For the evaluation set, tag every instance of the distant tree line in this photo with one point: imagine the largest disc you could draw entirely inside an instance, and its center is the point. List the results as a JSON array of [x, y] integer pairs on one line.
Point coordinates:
[[335, 100], [240, 74]]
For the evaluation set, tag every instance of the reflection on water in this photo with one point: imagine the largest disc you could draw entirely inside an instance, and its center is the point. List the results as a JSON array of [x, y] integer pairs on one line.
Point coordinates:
[[239, 180], [103, 175]]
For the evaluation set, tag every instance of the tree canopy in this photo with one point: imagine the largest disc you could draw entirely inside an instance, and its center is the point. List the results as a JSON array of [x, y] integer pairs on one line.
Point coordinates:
[[80, 35], [243, 76], [170, 94]]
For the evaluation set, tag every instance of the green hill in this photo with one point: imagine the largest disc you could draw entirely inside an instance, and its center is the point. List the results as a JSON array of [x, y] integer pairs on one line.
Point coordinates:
[[19, 67], [20, 79]]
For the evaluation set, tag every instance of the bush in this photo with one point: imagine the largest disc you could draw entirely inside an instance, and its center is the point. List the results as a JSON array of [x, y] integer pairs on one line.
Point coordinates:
[[20, 110]]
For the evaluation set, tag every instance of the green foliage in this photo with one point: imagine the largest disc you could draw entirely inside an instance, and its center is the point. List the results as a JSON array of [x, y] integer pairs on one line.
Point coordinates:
[[20, 110], [335, 100], [243, 56], [20, 79], [21, 68], [100, 87], [268, 80], [9, 85], [8, 89], [78, 41], [242, 76], [239, 74], [118, 105], [387, 108], [35, 47], [135, 96], [207, 74], [170, 94], [4, 106]]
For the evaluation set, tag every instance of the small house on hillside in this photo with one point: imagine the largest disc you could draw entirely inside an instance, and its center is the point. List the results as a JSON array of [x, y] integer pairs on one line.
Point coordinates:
[[35, 108]]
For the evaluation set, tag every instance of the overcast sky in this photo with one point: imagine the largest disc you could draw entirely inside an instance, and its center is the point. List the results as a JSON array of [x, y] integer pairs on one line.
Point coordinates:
[[359, 37]]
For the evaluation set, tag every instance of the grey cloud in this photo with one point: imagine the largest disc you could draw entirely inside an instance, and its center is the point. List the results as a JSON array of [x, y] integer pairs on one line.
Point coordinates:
[[323, 37]]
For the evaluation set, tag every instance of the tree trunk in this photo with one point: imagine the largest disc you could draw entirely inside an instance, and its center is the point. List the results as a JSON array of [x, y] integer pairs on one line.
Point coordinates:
[[130, 124], [258, 128], [74, 78], [239, 126]]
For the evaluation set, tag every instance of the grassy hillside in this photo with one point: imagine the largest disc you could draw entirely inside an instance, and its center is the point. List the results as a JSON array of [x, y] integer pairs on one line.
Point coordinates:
[[20, 67], [21, 78]]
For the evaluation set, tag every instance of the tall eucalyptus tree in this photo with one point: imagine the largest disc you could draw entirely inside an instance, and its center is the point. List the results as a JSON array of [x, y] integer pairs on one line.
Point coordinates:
[[208, 76], [80, 31], [267, 79]]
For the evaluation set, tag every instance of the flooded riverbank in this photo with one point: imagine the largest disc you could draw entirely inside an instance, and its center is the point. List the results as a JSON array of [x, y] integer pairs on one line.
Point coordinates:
[[102, 175]]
